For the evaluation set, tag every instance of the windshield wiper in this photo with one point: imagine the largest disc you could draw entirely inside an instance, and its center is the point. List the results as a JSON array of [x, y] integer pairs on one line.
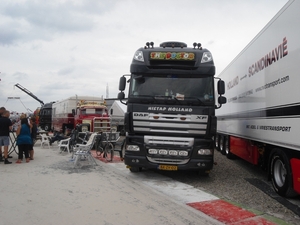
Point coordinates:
[[142, 98], [194, 100], [168, 99]]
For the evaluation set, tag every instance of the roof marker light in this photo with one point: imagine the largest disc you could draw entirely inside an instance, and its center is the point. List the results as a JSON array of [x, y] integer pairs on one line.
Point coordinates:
[[148, 44], [199, 46]]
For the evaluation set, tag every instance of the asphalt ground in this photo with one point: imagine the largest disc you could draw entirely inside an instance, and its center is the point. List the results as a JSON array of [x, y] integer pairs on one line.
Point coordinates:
[[50, 190], [213, 209]]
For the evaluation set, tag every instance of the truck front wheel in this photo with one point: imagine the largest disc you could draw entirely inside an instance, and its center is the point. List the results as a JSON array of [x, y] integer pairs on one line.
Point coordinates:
[[217, 143], [135, 169], [281, 174]]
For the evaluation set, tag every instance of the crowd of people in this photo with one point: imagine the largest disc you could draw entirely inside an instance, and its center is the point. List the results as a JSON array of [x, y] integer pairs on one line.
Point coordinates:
[[26, 131]]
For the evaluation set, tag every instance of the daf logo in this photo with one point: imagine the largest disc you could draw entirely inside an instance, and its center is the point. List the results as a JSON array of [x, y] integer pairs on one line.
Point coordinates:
[[201, 117], [141, 114]]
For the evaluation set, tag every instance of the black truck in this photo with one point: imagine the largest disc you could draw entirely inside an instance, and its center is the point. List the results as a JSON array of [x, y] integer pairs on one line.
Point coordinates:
[[170, 121], [44, 113]]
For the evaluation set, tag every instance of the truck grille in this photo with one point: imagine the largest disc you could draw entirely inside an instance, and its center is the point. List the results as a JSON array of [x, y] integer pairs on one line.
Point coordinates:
[[170, 150], [170, 123], [168, 141], [101, 124]]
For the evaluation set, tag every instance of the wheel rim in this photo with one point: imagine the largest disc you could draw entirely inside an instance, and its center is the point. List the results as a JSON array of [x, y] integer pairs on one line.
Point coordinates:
[[279, 173]]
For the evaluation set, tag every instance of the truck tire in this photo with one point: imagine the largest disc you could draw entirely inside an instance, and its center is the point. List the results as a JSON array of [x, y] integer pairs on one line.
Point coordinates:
[[222, 145], [203, 173], [122, 132], [228, 154], [135, 169], [281, 174], [217, 143]]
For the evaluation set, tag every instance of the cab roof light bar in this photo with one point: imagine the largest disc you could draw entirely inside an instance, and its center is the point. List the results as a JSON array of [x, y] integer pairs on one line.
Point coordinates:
[[172, 44]]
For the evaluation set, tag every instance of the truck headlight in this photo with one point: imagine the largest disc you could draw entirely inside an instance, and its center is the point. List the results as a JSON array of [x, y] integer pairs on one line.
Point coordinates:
[[183, 153], [205, 152], [152, 151], [139, 56], [84, 129], [206, 57], [133, 148]]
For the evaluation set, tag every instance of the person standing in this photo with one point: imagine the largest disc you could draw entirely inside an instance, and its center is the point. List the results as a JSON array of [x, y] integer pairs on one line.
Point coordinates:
[[24, 140], [33, 135], [5, 128], [2, 109]]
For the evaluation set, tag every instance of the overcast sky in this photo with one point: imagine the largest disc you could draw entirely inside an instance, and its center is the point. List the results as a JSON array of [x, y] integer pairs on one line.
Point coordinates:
[[59, 48]]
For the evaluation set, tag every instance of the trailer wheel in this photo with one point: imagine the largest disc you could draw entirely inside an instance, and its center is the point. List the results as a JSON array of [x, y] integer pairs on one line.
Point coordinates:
[[229, 155], [222, 145], [281, 174]]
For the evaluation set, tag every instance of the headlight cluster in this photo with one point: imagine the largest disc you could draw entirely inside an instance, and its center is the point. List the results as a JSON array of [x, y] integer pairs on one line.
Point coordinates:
[[84, 129], [206, 57], [139, 56], [134, 148], [205, 152], [167, 152]]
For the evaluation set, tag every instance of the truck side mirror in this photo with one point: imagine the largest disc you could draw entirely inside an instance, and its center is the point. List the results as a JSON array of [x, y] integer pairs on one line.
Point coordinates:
[[122, 83], [221, 87], [111, 111], [222, 100], [73, 112], [121, 95]]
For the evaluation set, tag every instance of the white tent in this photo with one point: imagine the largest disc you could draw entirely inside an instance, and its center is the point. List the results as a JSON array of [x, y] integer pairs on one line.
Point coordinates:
[[117, 112]]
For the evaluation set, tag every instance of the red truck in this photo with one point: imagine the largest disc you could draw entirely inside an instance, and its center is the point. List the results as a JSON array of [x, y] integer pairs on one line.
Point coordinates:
[[87, 110]]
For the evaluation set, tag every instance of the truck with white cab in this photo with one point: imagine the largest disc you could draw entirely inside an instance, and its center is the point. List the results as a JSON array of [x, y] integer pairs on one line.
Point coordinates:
[[261, 121]]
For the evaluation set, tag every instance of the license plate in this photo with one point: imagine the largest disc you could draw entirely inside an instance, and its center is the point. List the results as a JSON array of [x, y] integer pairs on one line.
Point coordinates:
[[167, 167]]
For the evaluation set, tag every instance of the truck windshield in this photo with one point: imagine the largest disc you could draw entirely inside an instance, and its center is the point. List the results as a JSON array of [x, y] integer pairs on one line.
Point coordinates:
[[182, 88], [92, 111]]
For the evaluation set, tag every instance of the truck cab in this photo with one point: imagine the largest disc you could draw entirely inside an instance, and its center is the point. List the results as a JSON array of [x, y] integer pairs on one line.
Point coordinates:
[[93, 114], [170, 118]]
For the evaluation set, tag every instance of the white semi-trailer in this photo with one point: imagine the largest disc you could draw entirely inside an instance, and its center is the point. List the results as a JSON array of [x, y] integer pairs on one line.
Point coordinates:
[[261, 121]]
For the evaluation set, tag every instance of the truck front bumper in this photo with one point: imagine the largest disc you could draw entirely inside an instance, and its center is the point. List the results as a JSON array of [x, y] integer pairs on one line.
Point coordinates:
[[203, 164]]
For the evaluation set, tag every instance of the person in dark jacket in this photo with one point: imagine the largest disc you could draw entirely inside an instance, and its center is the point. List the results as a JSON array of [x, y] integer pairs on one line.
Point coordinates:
[[5, 128], [33, 135], [24, 140], [2, 109]]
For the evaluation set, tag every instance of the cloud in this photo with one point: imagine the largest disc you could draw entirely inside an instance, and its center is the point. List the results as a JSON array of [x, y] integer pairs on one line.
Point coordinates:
[[20, 76], [60, 48], [65, 71], [45, 20]]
